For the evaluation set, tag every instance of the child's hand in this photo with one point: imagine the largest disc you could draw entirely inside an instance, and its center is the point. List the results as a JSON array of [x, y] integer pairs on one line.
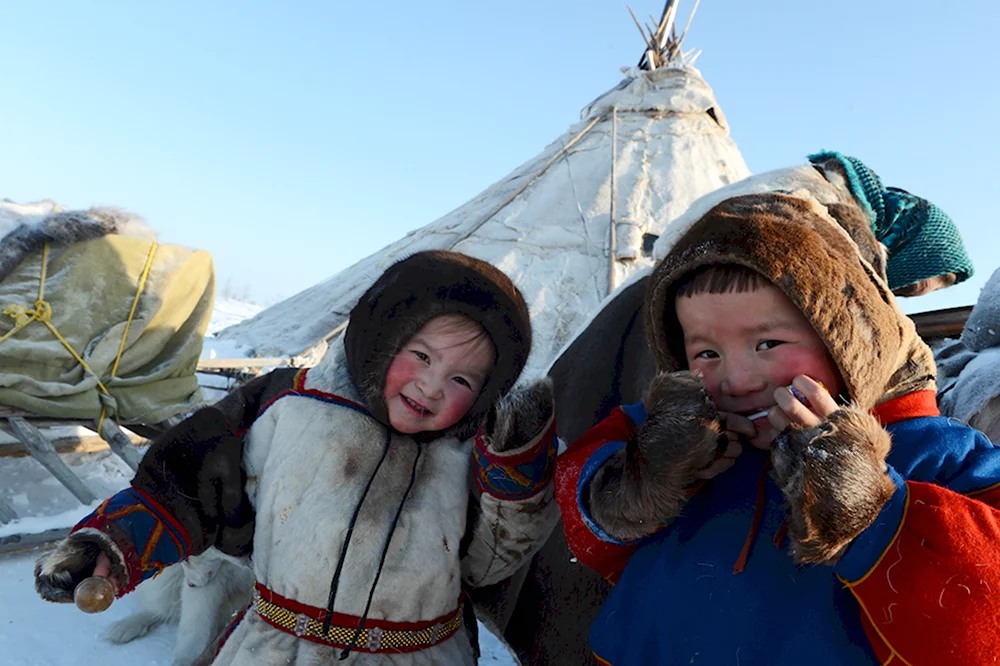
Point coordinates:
[[832, 473], [78, 556], [103, 569], [518, 417], [730, 448], [789, 410], [682, 431], [675, 447]]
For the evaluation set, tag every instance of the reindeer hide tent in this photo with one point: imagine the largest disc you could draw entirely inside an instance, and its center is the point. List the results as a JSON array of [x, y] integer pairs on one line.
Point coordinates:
[[568, 226]]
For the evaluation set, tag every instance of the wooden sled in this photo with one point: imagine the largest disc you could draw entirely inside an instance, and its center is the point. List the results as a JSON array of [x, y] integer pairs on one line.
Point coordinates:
[[27, 428]]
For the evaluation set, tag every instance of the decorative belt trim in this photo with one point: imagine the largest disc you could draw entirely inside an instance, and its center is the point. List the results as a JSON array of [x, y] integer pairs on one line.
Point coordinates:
[[378, 636]]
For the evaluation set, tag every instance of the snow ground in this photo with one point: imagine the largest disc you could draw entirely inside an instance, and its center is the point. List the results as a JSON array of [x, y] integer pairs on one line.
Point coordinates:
[[37, 633]]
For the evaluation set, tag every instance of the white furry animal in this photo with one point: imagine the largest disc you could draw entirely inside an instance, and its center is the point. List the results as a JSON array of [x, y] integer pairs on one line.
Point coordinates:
[[201, 594]]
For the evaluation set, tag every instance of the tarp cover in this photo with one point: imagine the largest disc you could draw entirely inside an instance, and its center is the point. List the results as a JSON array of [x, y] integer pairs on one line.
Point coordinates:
[[91, 286]]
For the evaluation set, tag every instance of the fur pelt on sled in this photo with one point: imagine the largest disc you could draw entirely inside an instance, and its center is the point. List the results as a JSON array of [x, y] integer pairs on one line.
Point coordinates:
[[24, 233]]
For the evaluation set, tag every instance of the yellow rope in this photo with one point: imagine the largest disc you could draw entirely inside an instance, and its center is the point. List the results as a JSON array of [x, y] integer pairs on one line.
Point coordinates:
[[43, 313], [128, 325]]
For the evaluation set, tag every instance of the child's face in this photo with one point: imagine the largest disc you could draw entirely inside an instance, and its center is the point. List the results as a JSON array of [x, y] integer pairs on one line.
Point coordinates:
[[746, 345], [436, 377]]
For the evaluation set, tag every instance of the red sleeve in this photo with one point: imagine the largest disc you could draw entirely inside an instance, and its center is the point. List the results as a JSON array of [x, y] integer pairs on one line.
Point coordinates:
[[598, 551], [932, 597]]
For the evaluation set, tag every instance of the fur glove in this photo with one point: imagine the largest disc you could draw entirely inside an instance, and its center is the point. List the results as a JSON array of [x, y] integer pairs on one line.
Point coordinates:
[[518, 417], [835, 482], [649, 481], [57, 573]]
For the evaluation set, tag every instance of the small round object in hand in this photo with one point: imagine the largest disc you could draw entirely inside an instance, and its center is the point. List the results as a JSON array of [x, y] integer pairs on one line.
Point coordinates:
[[94, 595]]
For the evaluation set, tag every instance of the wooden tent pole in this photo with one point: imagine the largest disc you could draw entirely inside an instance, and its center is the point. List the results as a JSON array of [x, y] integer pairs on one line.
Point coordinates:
[[552, 160], [489, 216], [680, 40], [612, 236]]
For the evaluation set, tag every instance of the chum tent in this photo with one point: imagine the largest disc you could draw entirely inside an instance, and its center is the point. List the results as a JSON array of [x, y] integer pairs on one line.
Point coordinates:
[[570, 224]]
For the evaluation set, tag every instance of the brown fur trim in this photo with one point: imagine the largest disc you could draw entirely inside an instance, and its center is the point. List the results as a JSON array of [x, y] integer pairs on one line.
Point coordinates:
[[852, 218], [646, 483], [817, 265], [835, 482], [419, 288], [58, 572]]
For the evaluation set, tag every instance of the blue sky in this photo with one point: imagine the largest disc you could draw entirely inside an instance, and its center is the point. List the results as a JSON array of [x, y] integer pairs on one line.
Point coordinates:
[[292, 139]]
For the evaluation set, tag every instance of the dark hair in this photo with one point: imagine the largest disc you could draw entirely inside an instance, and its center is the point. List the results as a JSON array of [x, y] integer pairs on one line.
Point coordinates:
[[720, 279]]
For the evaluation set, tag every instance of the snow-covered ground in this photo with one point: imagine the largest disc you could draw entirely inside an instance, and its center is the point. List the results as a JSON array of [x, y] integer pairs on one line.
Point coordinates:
[[37, 633]]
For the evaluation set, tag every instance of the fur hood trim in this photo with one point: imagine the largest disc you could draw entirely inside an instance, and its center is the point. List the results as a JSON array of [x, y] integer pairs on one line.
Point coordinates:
[[813, 259], [419, 288]]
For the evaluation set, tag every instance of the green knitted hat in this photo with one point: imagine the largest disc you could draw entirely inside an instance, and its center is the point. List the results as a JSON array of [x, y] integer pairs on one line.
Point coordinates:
[[922, 241]]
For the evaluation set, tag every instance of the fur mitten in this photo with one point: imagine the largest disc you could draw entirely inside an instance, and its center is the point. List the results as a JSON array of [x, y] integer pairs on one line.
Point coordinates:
[[649, 481], [518, 417], [835, 482], [57, 573]]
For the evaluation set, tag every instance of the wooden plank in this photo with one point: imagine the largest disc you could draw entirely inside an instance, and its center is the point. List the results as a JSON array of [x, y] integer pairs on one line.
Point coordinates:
[[85, 444], [239, 363], [121, 444], [17, 542], [42, 450], [39, 420], [937, 324]]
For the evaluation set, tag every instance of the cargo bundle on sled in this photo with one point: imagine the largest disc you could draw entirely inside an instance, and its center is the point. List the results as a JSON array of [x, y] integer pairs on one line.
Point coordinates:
[[101, 326]]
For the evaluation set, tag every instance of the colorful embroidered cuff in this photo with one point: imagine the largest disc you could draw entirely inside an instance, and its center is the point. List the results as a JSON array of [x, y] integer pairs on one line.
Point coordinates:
[[866, 550], [518, 474], [149, 538]]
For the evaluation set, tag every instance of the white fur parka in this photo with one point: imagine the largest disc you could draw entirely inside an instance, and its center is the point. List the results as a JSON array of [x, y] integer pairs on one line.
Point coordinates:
[[307, 462]]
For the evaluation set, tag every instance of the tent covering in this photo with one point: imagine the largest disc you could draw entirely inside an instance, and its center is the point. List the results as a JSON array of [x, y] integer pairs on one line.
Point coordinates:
[[651, 146], [90, 287]]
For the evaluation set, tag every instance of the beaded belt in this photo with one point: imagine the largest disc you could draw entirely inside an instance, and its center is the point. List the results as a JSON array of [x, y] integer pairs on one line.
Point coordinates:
[[377, 636]]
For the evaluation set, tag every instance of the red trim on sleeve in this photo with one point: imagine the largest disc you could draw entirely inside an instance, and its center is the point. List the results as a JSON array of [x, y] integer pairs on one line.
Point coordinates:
[[607, 559], [909, 406]]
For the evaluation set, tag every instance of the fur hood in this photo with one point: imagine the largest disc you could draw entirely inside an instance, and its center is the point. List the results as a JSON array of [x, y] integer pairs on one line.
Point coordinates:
[[818, 260], [413, 291]]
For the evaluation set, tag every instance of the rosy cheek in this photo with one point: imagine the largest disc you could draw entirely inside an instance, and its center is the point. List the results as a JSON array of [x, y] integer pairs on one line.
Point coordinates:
[[793, 364], [399, 374], [711, 379], [459, 407]]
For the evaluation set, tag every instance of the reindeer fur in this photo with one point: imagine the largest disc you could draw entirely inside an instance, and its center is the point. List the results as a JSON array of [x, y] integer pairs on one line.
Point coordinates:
[[646, 483], [67, 227], [834, 481]]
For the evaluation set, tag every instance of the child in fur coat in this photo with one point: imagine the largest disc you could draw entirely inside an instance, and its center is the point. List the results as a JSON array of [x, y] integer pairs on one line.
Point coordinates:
[[744, 524], [351, 482]]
